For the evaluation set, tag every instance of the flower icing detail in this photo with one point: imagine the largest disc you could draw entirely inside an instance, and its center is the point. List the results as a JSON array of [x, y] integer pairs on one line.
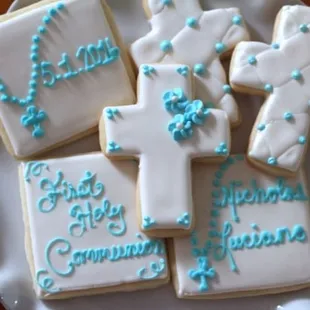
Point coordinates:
[[196, 112], [180, 128], [175, 100]]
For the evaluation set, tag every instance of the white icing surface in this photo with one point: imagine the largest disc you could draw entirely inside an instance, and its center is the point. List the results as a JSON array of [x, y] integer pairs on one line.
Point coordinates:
[[119, 180], [275, 67], [169, 23], [267, 267], [73, 106], [16, 283], [142, 131]]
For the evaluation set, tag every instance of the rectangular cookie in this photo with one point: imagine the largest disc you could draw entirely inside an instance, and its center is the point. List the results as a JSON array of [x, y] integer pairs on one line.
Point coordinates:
[[82, 235], [58, 70], [251, 235]]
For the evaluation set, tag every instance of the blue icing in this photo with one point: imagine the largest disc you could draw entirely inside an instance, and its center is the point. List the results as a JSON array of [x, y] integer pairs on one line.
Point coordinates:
[[237, 20], [33, 117], [222, 243], [220, 47], [166, 46], [180, 128], [60, 188], [252, 60], [155, 270], [192, 22], [272, 161], [184, 220], [34, 168], [113, 147], [148, 70], [288, 116], [175, 100], [183, 70], [62, 248], [275, 46], [167, 2], [268, 88], [227, 89], [196, 112], [222, 149], [296, 75], [202, 274], [46, 283], [89, 216], [200, 69], [261, 127], [111, 113], [148, 222], [304, 28], [302, 140]]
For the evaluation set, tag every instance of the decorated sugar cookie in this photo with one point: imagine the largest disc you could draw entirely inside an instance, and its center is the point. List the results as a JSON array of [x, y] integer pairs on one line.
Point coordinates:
[[251, 235], [165, 131], [81, 227], [58, 70], [280, 71], [183, 33]]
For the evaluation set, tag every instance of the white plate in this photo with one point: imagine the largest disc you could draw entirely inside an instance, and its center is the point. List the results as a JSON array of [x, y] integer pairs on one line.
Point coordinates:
[[15, 281]]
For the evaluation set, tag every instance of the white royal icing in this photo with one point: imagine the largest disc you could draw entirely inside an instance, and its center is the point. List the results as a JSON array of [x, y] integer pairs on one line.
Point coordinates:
[[72, 106], [110, 232], [142, 131], [194, 45], [202, 273], [277, 139]]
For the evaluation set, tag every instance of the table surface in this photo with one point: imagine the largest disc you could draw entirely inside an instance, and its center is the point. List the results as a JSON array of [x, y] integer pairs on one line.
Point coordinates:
[[155, 299]]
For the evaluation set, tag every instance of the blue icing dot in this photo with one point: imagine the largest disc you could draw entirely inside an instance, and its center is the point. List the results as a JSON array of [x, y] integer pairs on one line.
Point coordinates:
[[220, 47], [261, 127], [252, 60], [302, 140], [32, 92], [2, 87], [200, 69], [165, 46], [41, 29], [288, 116], [275, 46], [36, 39], [52, 12], [60, 6], [296, 75], [166, 2], [35, 75], [34, 48], [4, 98], [272, 161], [227, 89], [34, 57], [268, 88], [14, 99], [237, 20], [304, 28], [46, 20], [192, 22]]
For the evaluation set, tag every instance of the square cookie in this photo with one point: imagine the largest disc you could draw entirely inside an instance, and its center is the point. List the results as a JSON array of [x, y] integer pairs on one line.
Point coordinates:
[[57, 71], [82, 235], [251, 236], [166, 130]]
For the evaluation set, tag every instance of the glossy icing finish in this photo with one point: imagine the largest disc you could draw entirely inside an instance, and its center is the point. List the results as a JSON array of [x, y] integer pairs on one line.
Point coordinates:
[[174, 24], [72, 105], [208, 263], [282, 71], [142, 131], [70, 227]]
